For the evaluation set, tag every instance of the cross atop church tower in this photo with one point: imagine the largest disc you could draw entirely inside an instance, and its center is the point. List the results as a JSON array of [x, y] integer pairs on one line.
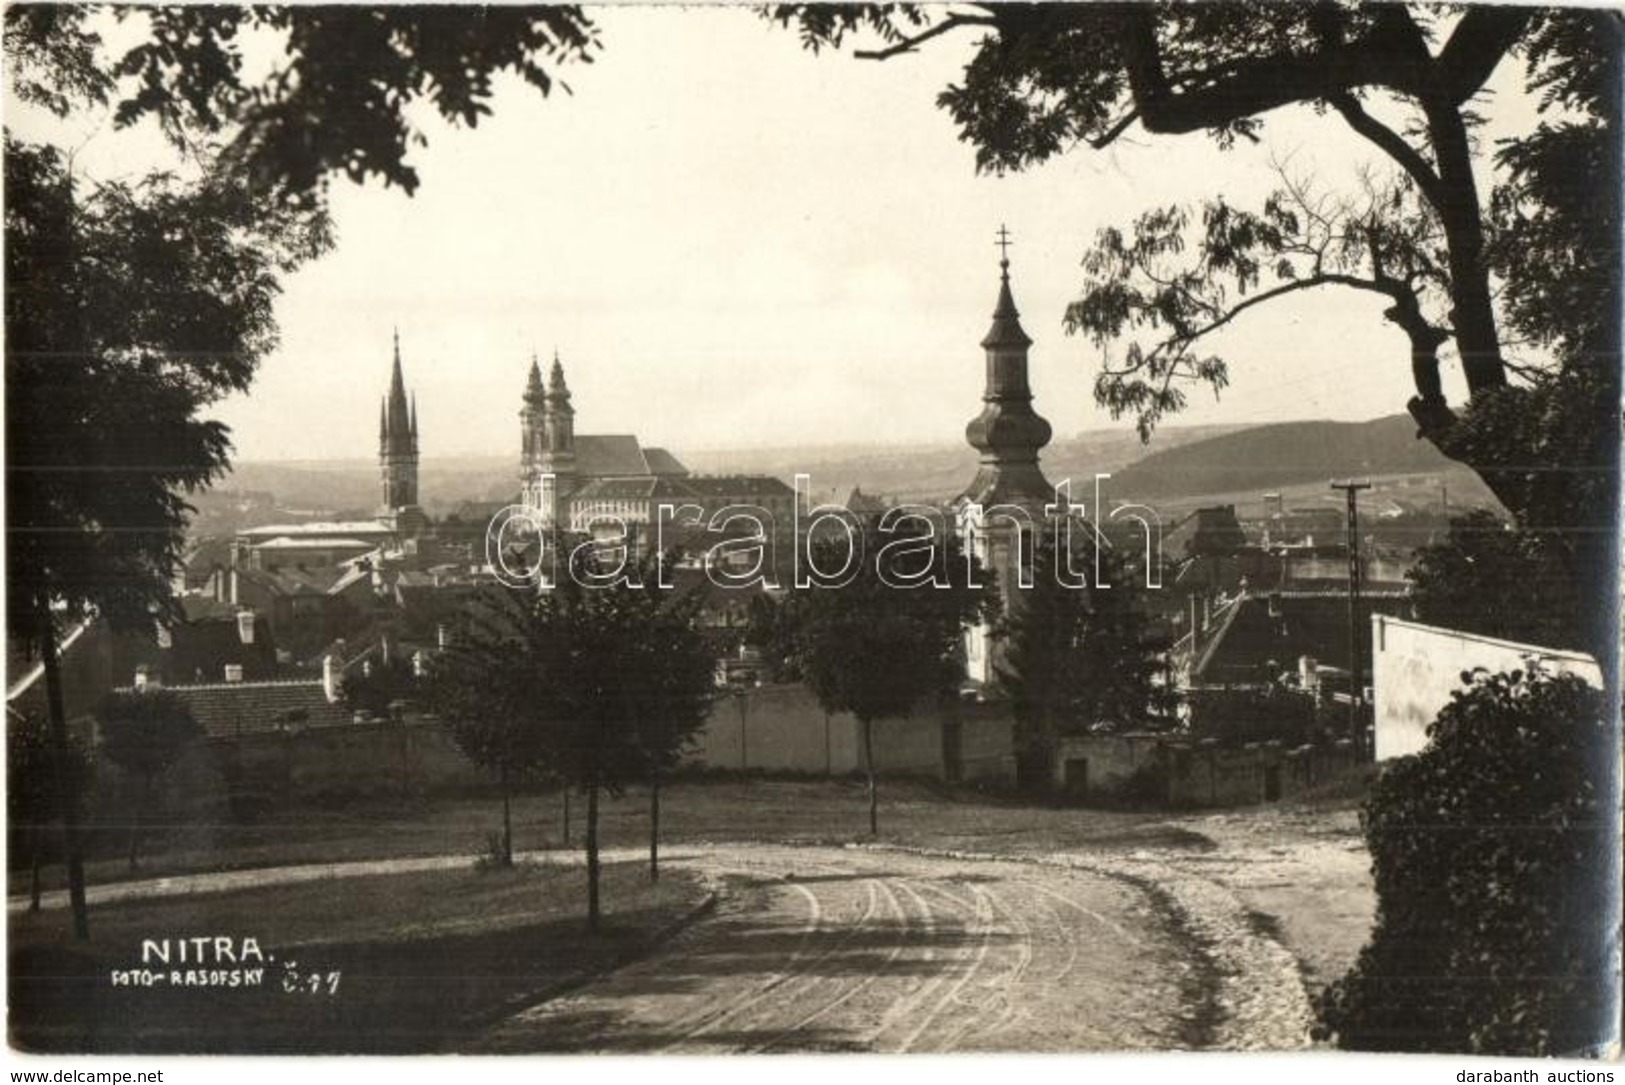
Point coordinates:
[[1004, 247]]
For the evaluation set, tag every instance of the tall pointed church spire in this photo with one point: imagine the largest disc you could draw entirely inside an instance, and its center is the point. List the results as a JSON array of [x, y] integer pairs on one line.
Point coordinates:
[[1006, 330], [1008, 433], [555, 379], [398, 438], [534, 392]]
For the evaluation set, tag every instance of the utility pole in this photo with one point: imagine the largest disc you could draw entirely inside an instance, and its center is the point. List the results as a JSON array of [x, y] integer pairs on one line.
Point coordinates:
[[1351, 491]]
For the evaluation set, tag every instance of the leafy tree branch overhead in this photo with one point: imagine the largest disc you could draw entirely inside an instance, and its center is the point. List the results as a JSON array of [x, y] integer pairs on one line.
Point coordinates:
[[1476, 247], [336, 100]]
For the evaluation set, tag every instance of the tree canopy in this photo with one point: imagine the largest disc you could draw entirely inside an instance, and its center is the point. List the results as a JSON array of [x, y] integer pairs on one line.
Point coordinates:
[[1490, 853], [1490, 254], [1078, 659], [597, 687], [130, 306], [871, 647], [336, 99], [1492, 578], [146, 733]]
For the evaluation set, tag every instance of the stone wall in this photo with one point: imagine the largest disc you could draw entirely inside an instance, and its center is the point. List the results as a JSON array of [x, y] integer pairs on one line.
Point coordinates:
[[1415, 668], [1168, 771], [781, 728]]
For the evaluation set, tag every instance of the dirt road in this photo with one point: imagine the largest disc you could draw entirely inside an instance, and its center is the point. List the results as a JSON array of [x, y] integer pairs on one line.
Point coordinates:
[[825, 949]]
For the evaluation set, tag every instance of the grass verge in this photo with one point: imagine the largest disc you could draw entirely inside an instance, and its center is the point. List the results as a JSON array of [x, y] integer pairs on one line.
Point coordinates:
[[422, 961]]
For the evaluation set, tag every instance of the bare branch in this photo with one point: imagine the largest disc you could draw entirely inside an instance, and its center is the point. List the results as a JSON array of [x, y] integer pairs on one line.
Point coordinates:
[[1325, 278], [912, 42], [1391, 144], [1108, 137]]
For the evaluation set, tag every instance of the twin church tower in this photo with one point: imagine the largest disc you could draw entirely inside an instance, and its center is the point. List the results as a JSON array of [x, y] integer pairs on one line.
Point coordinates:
[[548, 444], [555, 463]]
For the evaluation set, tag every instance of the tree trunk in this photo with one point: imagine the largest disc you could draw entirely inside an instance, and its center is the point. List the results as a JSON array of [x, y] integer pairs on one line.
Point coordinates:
[[1473, 312], [135, 822], [654, 827], [34, 847], [66, 786], [829, 760], [869, 764], [592, 857], [507, 821]]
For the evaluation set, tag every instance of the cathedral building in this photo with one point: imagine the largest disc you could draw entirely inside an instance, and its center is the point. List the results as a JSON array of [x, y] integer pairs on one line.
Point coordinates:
[[598, 484], [398, 455], [573, 480], [1003, 508]]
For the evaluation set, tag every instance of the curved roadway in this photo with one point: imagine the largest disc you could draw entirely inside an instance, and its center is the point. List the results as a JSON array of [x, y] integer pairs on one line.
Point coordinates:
[[827, 949]]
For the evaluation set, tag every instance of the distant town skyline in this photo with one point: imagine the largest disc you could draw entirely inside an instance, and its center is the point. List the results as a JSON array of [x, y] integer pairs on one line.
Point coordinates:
[[733, 243]]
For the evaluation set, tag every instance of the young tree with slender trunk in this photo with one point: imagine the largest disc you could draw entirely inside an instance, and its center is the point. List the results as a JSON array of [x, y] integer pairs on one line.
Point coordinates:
[[599, 686], [146, 733], [1079, 658], [130, 308], [876, 648], [32, 798], [481, 688]]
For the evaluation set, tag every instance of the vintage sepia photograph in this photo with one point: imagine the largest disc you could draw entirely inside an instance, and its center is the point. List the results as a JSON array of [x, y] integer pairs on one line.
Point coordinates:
[[1059, 528]]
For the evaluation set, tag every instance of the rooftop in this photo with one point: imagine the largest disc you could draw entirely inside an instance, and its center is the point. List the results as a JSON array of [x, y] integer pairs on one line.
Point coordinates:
[[229, 709], [319, 528]]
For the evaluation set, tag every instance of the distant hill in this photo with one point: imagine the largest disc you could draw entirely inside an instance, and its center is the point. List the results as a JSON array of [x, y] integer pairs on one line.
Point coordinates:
[[924, 471], [1185, 463], [1283, 454], [939, 470]]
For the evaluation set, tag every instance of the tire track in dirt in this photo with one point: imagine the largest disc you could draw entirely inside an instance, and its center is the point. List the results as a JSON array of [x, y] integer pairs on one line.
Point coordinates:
[[889, 954]]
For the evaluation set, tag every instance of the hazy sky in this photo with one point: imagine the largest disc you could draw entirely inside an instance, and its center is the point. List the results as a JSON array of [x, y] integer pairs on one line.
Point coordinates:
[[732, 242]]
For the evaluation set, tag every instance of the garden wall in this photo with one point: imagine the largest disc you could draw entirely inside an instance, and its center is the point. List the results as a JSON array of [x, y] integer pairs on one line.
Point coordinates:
[[1166, 771]]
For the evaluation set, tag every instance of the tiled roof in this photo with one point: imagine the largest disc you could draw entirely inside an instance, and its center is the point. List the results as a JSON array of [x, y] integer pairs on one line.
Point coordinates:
[[1246, 638], [740, 486], [230, 709], [204, 555], [662, 462], [315, 542], [628, 488], [199, 608], [355, 574], [850, 498], [289, 581], [1206, 531], [364, 528], [610, 456]]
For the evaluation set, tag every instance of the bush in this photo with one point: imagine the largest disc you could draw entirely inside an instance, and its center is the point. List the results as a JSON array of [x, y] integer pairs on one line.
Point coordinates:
[[1490, 851]]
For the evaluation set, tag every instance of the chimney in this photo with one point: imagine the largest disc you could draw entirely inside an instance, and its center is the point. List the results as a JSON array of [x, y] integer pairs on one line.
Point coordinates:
[[420, 664], [142, 678], [442, 635], [245, 626], [332, 678], [1308, 673], [234, 672], [1275, 604]]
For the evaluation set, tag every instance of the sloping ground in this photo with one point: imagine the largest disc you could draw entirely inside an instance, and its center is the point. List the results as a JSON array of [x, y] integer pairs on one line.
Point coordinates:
[[1276, 455], [1304, 874], [856, 949]]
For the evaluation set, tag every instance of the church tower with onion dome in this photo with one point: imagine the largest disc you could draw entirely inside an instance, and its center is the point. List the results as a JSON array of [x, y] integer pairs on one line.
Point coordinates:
[[1003, 509]]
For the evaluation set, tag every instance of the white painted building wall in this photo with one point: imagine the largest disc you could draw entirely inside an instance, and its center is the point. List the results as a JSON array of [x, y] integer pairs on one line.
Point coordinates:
[[1416, 667]]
